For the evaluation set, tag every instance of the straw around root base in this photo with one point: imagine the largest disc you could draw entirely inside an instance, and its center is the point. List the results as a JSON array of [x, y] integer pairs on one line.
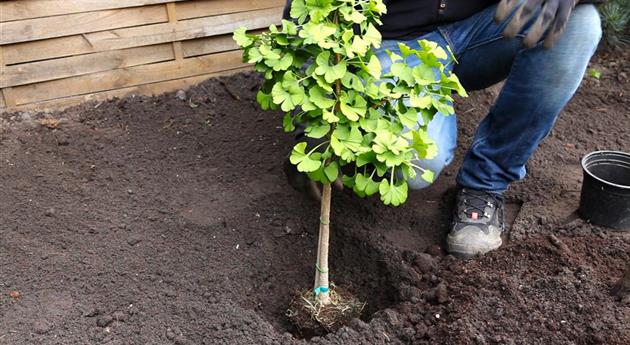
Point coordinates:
[[311, 318]]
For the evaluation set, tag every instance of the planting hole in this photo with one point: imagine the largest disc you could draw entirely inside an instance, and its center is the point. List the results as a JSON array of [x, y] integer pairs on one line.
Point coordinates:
[[359, 270]]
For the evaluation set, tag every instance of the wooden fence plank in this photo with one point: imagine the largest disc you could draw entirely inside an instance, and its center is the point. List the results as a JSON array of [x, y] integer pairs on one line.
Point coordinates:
[[139, 36], [145, 89], [83, 64], [29, 9], [70, 24], [46, 49], [204, 8], [184, 30], [210, 45], [127, 77]]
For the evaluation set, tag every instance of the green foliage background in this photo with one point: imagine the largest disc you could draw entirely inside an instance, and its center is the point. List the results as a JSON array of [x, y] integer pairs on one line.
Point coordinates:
[[320, 69], [616, 21]]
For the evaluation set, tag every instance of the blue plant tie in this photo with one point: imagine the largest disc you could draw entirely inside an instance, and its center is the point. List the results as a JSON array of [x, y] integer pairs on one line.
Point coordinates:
[[321, 289]]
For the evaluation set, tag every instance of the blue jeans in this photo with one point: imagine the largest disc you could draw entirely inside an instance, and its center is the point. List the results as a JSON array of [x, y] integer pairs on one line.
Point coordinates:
[[539, 83]]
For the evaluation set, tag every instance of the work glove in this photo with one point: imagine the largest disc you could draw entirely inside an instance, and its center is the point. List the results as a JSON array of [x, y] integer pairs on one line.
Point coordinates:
[[552, 19]]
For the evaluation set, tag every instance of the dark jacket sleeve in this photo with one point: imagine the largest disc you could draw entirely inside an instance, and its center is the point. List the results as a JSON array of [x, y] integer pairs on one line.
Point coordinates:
[[407, 19], [287, 9]]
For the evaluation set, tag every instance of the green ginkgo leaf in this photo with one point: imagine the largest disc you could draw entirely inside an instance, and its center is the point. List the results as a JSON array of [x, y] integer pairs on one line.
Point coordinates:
[[424, 146], [329, 116], [403, 72], [264, 100], [352, 81], [331, 73], [253, 55], [282, 64], [423, 74], [288, 99], [317, 131], [373, 36], [420, 101], [318, 34], [332, 171], [241, 38], [374, 67], [287, 123], [317, 95], [299, 10], [353, 105], [319, 9], [365, 184], [409, 118], [393, 194], [359, 45], [352, 15], [428, 176], [303, 161], [268, 52]]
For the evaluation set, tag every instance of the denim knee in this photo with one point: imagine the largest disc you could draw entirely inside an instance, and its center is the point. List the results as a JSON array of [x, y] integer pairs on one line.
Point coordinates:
[[585, 27]]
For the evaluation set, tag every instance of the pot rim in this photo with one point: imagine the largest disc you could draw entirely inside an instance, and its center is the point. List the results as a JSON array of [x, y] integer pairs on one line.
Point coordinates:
[[589, 155]]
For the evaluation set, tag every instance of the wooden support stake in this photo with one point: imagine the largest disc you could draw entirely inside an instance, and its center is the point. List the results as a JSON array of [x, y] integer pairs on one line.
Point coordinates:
[[322, 250]]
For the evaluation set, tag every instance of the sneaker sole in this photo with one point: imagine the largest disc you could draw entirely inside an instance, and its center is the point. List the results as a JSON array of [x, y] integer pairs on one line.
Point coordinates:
[[463, 252]]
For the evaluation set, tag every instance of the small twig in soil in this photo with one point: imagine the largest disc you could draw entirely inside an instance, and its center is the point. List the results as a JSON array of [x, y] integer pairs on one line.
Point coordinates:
[[559, 244], [169, 124], [227, 88], [50, 123]]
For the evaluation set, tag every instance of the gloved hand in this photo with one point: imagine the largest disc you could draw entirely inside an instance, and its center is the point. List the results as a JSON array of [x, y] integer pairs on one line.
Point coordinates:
[[553, 17]]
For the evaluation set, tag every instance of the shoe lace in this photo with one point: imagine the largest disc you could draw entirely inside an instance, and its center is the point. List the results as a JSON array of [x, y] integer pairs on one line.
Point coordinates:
[[477, 201]]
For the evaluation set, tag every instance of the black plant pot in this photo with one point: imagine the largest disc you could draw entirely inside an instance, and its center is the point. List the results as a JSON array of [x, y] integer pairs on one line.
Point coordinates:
[[605, 198]]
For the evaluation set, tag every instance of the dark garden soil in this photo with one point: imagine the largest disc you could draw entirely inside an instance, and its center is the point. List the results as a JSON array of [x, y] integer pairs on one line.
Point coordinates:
[[167, 220]]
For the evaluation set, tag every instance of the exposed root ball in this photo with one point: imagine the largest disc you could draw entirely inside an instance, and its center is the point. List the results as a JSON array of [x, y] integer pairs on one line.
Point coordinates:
[[313, 319]]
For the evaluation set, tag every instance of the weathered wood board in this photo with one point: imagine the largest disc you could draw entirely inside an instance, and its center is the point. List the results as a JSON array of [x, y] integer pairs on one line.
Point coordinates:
[[57, 53]]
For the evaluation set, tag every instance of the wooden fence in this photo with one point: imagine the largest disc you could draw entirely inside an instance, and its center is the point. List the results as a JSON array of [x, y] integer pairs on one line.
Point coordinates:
[[56, 53]]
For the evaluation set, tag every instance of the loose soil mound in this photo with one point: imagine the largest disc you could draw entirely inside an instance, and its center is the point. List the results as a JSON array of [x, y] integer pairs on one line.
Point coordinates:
[[168, 221]]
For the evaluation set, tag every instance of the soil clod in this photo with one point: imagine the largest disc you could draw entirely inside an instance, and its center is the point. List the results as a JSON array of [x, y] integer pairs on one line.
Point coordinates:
[[50, 212], [133, 240], [622, 287], [42, 327], [425, 263], [104, 320]]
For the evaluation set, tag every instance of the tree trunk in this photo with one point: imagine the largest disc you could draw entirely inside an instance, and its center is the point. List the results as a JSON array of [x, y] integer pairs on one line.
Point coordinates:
[[622, 288], [321, 272]]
